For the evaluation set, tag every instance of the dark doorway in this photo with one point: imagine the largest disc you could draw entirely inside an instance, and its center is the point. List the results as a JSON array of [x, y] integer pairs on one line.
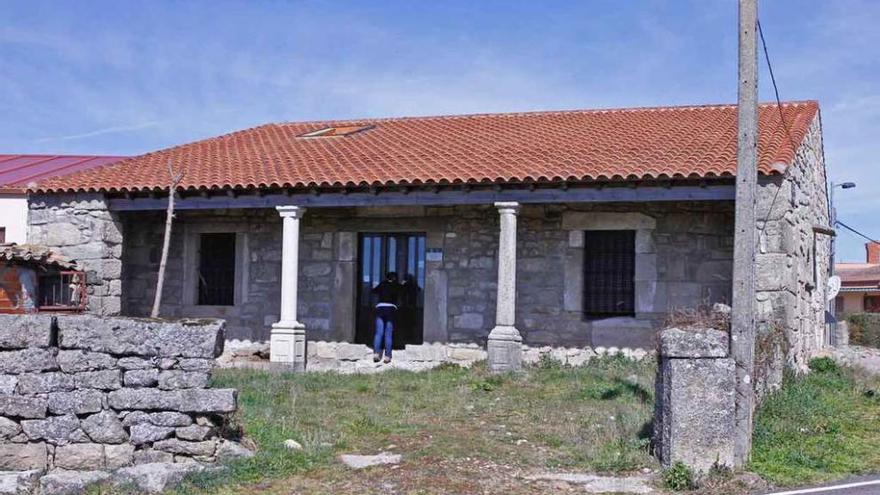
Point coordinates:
[[217, 269], [404, 254]]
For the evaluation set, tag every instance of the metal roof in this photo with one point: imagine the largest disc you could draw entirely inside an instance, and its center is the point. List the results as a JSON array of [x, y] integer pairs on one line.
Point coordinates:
[[17, 171]]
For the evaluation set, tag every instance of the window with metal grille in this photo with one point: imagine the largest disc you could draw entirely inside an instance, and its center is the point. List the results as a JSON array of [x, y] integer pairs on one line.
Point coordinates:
[[609, 270], [217, 269], [872, 304]]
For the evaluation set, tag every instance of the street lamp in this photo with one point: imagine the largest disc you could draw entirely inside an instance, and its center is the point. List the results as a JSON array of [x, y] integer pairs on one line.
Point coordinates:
[[842, 185]]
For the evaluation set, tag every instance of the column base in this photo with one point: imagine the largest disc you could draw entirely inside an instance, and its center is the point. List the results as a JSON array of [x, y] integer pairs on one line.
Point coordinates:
[[505, 349], [287, 345]]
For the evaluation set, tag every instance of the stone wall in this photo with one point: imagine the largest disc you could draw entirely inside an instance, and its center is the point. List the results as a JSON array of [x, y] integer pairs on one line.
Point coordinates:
[[684, 260], [792, 264], [81, 227], [258, 275], [98, 393]]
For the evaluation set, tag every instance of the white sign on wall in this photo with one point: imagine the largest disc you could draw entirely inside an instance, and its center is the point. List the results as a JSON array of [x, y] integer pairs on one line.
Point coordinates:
[[434, 254]]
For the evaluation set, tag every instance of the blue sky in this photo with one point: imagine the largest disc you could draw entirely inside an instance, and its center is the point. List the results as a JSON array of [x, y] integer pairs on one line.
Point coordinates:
[[131, 77]]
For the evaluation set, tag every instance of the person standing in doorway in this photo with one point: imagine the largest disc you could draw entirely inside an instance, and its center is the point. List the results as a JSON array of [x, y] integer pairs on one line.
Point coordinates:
[[388, 292]]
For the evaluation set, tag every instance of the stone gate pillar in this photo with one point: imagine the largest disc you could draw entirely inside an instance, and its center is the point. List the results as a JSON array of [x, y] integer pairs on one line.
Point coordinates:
[[287, 344], [695, 405], [505, 342]]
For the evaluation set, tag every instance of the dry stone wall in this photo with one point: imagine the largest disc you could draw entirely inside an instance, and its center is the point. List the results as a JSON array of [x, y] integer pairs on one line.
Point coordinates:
[[83, 392]]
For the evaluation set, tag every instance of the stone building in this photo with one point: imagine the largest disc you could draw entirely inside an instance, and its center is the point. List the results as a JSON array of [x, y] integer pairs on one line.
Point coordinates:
[[577, 228]]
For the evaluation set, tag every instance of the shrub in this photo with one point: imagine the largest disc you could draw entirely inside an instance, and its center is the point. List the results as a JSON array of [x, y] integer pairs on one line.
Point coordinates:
[[823, 365], [548, 362], [679, 477], [864, 329]]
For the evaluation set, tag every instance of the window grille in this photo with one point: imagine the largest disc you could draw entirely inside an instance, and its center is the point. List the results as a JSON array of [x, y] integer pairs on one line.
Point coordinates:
[[609, 272], [62, 291], [217, 269]]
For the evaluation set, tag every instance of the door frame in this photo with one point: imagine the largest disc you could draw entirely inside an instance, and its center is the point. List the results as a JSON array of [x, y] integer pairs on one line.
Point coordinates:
[[359, 267]]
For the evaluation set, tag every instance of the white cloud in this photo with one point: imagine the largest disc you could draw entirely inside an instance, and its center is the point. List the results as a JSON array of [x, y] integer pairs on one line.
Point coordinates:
[[100, 132]]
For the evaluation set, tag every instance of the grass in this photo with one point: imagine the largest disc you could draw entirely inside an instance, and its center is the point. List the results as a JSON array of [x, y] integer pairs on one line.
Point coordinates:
[[819, 426], [457, 429]]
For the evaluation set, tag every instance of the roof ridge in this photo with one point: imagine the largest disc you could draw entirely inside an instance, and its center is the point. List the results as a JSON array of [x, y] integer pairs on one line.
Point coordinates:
[[532, 113]]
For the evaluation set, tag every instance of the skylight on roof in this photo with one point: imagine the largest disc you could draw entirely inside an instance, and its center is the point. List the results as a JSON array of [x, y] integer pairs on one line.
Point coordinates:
[[342, 130]]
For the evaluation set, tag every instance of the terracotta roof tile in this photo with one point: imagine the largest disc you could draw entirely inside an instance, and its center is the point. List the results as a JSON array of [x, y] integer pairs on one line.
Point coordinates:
[[858, 274], [33, 254], [642, 143]]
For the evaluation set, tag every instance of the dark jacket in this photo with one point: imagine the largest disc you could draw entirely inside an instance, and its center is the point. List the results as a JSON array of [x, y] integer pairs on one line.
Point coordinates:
[[388, 292]]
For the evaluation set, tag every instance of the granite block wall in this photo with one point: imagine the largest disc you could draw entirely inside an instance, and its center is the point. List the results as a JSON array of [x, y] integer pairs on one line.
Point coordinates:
[[81, 227], [793, 264], [96, 393]]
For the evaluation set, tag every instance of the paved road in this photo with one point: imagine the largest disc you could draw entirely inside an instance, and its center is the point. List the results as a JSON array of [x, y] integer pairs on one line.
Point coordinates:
[[856, 486]]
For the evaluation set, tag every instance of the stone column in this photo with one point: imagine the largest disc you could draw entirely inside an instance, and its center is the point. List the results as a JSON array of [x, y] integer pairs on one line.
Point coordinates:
[[288, 340], [505, 342]]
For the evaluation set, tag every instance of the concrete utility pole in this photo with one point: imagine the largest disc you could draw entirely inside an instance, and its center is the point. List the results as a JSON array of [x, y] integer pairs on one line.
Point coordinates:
[[742, 324]]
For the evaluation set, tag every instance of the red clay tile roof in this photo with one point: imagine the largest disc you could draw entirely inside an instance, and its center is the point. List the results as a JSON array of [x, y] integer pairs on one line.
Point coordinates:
[[858, 274], [17, 171], [642, 143]]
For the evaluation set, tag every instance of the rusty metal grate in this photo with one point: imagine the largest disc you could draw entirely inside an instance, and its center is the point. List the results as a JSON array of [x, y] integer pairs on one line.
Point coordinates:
[[609, 273]]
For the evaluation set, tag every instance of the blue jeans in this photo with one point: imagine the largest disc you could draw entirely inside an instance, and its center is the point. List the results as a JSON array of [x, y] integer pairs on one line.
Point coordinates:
[[384, 330]]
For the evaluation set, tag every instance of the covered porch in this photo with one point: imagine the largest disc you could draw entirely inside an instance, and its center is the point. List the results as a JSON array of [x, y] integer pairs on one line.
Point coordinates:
[[489, 269]]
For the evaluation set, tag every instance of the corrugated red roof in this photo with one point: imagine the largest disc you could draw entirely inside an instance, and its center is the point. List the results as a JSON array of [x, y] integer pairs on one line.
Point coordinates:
[[643, 143], [18, 171]]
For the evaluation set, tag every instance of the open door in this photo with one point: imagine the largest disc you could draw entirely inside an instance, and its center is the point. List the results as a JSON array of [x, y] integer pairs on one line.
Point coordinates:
[[404, 254]]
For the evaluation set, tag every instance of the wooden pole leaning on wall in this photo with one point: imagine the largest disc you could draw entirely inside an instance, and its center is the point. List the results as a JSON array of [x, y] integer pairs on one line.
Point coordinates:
[[742, 331], [175, 179]]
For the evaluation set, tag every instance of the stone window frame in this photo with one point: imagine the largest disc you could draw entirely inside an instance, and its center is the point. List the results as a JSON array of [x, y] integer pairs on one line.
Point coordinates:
[[576, 223], [191, 237]]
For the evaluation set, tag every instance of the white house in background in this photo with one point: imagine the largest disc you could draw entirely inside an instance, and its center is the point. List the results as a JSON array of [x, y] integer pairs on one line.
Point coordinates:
[[17, 171]]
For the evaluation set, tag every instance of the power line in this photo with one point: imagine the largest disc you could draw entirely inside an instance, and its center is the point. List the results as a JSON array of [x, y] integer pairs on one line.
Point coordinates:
[[776, 89], [784, 126], [847, 227]]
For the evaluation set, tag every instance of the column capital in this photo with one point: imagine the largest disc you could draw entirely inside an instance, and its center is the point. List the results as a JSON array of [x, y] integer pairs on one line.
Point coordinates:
[[291, 211], [508, 207]]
